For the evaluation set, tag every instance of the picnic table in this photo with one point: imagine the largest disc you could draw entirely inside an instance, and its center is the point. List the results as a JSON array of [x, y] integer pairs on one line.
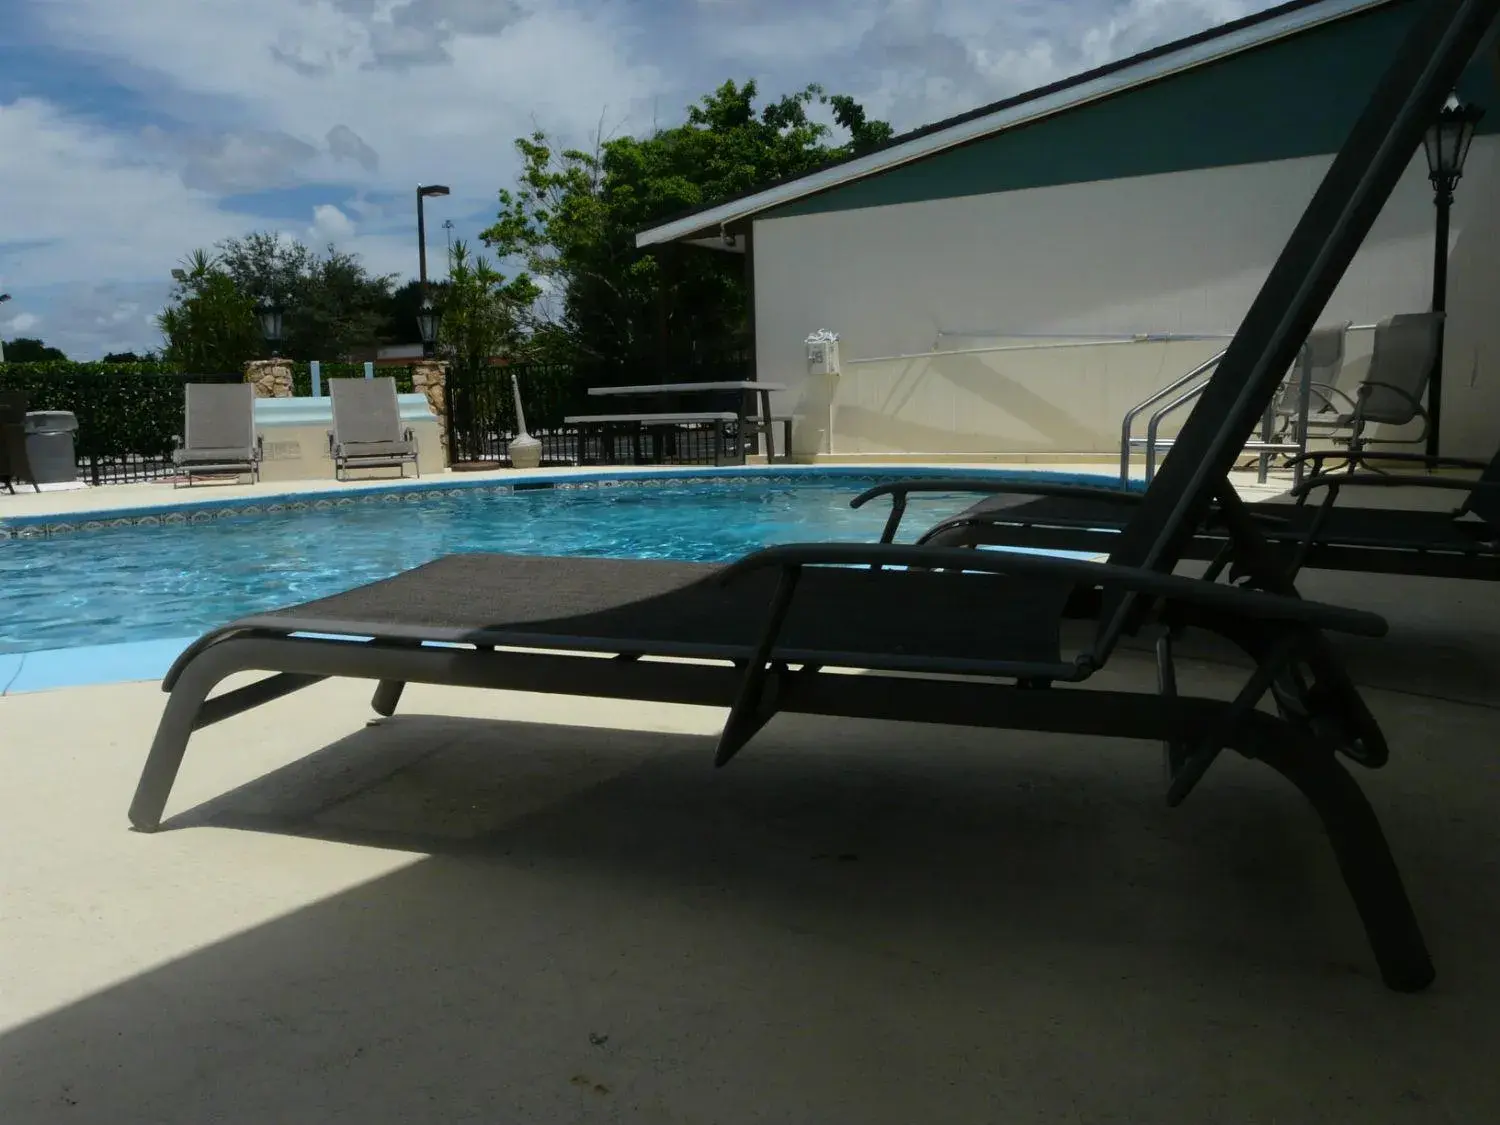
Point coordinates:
[[661, 395]]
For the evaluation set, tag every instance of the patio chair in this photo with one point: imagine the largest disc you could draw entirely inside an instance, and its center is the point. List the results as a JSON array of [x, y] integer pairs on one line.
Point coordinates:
[[219, 437], [367, 431], [1391, 392], [1311, 387], [1461, 542], [14, 463], [947, 636]]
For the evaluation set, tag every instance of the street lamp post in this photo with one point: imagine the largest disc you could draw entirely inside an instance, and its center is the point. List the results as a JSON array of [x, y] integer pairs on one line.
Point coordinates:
[[422, 194], [3, 298], [1447, 146]]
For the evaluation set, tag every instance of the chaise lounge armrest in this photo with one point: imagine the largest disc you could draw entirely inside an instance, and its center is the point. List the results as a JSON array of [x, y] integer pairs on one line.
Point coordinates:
[[1171, 587], [1431, 461], [901, 489], [1334, 482]]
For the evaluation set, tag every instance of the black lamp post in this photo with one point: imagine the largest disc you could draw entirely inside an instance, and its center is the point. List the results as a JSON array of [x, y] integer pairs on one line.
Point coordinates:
[[1447, 146], [3, 298], [423, 193], [428, 319], [270, 323]]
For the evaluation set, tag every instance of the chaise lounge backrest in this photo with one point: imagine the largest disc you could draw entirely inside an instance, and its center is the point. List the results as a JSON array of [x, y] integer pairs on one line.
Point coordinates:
[[1400, 367], [219, 418], [367, 414], [1317, 368]]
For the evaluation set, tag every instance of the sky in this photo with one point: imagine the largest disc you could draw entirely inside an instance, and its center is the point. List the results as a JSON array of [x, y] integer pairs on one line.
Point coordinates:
[[133, 131]]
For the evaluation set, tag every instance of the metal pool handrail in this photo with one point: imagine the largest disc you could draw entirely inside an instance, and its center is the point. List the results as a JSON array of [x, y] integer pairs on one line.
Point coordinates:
[[1135, 411]]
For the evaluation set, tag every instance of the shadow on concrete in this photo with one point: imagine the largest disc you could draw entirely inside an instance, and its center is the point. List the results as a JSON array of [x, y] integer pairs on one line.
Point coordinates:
[[854, 923]]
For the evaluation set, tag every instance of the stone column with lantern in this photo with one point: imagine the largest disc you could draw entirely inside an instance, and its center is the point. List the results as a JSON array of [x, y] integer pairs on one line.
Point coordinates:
[[430, 377]]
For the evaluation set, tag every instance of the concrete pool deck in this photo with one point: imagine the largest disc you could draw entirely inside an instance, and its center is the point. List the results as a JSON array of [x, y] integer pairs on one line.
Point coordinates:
[[498, 907]]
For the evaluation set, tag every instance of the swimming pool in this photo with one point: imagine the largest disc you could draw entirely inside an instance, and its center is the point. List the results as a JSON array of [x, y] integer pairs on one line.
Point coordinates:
[[164, 574]]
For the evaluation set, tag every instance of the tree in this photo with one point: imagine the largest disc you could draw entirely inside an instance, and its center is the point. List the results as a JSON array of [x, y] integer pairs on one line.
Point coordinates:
[[128, 357], [481, 311], [402, 307], [331, 304], [28, 349], [210, 327], [573, 216]]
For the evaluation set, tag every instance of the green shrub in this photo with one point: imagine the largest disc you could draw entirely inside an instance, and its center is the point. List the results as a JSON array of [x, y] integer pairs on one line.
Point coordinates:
[[122, 408]]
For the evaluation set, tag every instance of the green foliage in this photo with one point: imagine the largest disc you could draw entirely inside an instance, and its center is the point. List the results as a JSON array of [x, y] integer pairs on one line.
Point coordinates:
[[482, 313], [122, 409], [331, 304], [402, 309], [210, 326], [28, 349], [573, 216]]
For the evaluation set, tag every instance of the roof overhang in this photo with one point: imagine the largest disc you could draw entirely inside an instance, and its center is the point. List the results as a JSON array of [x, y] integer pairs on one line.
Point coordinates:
[[709, 223]]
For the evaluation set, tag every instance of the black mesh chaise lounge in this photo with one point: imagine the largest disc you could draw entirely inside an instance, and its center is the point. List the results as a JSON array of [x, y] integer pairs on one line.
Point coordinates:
[[1462, 541], [980, 630], [219, 437], [367, 430]]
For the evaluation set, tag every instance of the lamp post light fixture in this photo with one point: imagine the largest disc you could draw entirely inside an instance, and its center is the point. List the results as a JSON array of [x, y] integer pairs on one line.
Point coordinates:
[[423, 192], [270, 324], [428, 319], [1447, 146]]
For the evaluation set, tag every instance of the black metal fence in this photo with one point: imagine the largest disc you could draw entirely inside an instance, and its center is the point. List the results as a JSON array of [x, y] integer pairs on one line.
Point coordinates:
[[128, 414], [302, 375], [482, 414]]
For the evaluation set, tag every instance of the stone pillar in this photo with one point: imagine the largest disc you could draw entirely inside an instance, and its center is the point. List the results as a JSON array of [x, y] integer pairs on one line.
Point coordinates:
[[430, 377], [271, 378]]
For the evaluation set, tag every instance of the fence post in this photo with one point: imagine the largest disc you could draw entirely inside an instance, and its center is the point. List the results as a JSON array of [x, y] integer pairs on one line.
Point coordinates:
[[316, 369]]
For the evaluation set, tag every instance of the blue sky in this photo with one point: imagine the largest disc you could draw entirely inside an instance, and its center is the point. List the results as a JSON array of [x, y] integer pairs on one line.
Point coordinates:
[[132, 131]]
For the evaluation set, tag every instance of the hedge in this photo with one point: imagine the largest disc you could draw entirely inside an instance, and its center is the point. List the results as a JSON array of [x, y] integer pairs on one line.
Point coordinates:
[[123, 409]]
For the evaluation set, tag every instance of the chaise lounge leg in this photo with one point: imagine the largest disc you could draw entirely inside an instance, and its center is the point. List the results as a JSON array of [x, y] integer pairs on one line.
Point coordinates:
[[178, 721], [387, 695], [1365, 860]]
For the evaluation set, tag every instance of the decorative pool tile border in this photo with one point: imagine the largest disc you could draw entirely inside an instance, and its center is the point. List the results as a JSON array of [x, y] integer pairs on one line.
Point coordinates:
[[44, 527]]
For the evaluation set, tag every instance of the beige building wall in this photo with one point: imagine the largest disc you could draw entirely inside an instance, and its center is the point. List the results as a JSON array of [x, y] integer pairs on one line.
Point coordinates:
[[940, 304]]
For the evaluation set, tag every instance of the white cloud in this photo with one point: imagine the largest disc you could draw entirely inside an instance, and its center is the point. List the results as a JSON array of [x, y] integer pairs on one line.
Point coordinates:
[[329, 225], [357, 101], [24, 322]]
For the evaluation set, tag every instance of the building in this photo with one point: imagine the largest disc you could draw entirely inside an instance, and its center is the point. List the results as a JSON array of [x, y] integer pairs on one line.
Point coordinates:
[[990, 275]]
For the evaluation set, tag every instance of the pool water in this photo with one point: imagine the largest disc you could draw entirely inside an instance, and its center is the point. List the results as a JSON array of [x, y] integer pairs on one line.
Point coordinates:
[[144, 583]]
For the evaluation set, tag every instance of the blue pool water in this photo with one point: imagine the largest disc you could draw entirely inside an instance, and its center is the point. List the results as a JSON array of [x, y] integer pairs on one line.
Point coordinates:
[[147, 582]]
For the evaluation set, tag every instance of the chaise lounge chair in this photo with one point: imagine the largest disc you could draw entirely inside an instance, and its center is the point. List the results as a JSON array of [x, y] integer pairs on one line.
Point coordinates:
[[14, 463], [757, 635], [367, 431], [219, 437], [1462, 542]]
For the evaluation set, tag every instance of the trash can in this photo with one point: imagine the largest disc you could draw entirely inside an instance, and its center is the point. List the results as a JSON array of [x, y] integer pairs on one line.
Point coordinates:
[[49, 446]]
